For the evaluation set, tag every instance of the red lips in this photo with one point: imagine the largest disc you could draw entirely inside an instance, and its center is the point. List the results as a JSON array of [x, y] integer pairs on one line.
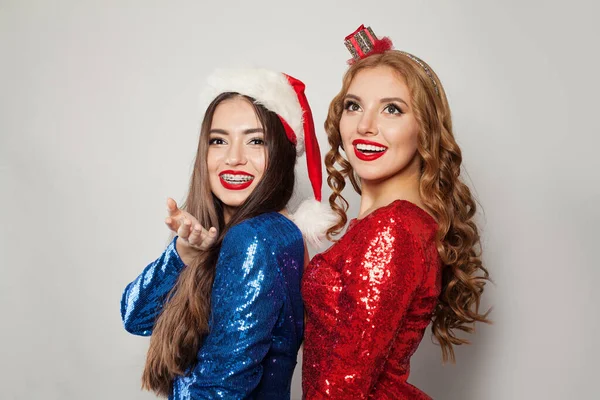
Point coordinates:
[[235, 185], [368, 156]]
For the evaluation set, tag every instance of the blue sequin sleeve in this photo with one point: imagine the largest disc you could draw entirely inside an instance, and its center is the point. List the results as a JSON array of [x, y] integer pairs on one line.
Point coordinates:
[[247, 298], [143, 298]]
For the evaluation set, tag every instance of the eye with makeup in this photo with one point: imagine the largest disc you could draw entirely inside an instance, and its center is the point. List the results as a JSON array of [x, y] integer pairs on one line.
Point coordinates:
[[392, 109], [216, 141], [257, 141], [350, 105]]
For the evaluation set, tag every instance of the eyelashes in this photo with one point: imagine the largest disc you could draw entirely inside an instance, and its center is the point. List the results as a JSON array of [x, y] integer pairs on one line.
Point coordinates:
[[391, 108], [350, 105], [257, 141]]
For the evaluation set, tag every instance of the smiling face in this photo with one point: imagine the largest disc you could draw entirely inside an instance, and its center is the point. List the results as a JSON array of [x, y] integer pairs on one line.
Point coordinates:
[[237, 155], [378, 127]]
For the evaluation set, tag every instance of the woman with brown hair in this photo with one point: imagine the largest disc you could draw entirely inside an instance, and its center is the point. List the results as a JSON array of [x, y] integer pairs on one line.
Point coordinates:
[[223, 307], [412, 256]]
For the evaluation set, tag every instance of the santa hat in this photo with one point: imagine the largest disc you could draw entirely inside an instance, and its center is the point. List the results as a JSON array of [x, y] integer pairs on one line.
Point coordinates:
[[283, 95]]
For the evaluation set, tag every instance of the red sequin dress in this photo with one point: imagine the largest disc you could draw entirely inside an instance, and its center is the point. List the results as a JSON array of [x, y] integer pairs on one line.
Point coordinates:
[[368, 300]]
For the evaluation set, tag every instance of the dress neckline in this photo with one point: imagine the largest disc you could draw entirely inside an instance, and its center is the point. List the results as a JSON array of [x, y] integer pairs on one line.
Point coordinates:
[[354, 221]]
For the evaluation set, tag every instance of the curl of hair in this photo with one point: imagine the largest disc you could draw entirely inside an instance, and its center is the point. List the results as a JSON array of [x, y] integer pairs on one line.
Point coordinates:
[[441, 189], [183, 323]]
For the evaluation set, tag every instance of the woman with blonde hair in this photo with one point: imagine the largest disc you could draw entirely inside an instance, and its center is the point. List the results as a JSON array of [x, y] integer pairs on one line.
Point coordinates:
[[412, 256]]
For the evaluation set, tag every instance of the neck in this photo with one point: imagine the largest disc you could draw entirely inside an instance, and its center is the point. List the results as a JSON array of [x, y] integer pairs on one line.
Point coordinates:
[[227, 213], [402, 186]]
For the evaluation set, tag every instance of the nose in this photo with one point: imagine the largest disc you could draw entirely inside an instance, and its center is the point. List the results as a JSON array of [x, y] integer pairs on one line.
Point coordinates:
[[235, 153], [368, 123]]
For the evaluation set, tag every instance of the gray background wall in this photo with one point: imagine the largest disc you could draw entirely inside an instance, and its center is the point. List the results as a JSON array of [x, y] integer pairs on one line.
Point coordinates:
[[98, 126]]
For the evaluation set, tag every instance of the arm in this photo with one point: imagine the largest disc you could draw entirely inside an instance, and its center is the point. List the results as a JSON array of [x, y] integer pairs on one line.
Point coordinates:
[[372, 306], [143, 298], [246, 300]]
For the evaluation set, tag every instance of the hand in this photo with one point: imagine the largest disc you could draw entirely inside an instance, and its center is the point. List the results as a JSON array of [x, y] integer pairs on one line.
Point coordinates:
[[192, 236]]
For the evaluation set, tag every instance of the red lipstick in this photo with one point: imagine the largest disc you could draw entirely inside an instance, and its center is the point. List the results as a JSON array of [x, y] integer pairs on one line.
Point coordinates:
[[371, 155], [235, 180]]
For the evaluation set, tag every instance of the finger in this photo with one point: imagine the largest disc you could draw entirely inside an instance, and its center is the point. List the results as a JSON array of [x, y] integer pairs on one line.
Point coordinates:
[[189, 217], [195, 238], [172, 207], [172, 223], [212, 233], [184, 228], [208, 238]]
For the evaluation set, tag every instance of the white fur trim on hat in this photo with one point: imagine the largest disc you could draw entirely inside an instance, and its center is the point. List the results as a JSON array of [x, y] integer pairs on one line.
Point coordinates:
[[270, 89], [313, 218]]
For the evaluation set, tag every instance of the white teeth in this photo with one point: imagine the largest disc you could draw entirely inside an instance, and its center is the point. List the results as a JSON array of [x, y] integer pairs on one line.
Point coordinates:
[[369, 147], [236, 178]]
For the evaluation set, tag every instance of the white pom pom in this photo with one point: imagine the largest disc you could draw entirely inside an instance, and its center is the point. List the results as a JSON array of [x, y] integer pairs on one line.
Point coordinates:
[[313, 218]]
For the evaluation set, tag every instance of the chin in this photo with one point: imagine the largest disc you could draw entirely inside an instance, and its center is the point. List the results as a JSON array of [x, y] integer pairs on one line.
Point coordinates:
[[370, 173], [233, 201], [231, 198]]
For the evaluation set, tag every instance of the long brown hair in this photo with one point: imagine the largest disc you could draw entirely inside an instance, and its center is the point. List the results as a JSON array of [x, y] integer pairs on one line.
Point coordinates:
[[441, 189], [184, 322]]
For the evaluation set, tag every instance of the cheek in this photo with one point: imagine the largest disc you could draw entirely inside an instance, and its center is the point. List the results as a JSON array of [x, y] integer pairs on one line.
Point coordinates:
[[259, 161], [405, 136], [413, 137], [347, 126], [212, 160]]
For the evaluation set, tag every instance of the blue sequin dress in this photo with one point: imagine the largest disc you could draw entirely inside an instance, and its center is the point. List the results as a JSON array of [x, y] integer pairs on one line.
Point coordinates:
[[257, 313]]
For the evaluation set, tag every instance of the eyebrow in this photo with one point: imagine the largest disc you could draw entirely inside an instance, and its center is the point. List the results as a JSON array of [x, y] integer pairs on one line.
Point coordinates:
[[246, 132], [384, 100]]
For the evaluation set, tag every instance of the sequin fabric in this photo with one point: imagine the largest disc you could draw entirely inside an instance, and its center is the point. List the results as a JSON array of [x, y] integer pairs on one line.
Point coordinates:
[[368, 301], [256, 318]]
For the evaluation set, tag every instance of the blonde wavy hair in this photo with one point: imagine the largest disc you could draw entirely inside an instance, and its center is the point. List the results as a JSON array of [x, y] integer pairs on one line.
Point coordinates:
[[441, 189]]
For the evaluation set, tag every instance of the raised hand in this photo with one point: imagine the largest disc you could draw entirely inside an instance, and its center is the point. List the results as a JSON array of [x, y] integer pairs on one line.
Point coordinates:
[[193, 237]]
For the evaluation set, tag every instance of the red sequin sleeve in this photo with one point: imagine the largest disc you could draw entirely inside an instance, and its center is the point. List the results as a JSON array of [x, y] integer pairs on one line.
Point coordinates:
[[383, 268]]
